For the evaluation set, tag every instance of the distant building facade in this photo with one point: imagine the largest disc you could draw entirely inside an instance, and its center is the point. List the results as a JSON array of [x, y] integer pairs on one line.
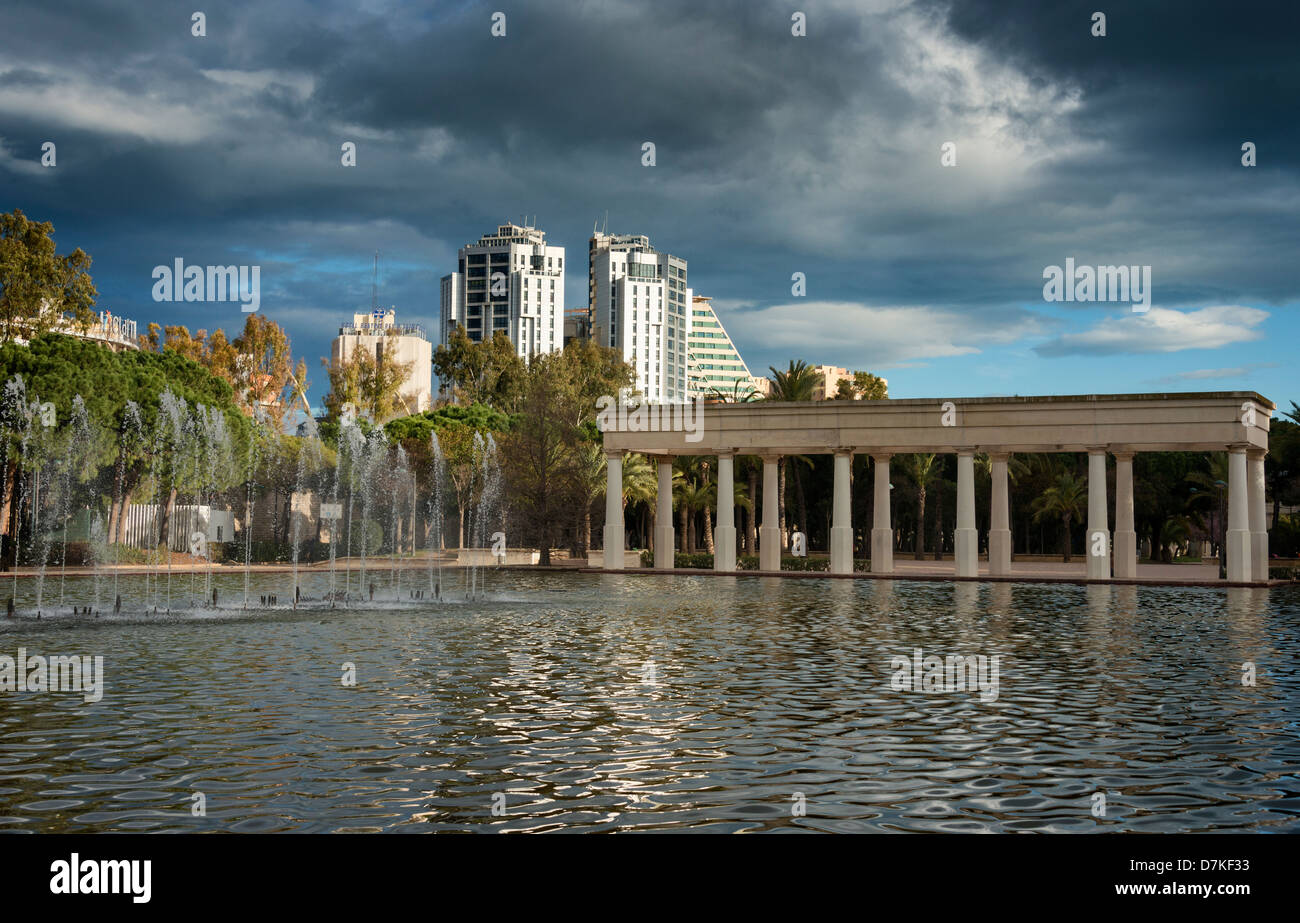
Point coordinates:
[[577, 324], [715, 366], [512, 282], [117, 333], [379, 333], [640, 306], [827, 382]]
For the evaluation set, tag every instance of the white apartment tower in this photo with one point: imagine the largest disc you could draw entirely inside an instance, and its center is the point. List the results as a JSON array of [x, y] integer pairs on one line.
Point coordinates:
[[641, 306], [509, 281]]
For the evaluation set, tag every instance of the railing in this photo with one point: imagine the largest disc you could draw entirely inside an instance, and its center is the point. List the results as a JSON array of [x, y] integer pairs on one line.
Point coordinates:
[[107, 328], [378, 330]]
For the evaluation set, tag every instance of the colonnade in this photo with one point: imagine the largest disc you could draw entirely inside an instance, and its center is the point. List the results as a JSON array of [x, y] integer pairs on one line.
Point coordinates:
[[1108, 554]]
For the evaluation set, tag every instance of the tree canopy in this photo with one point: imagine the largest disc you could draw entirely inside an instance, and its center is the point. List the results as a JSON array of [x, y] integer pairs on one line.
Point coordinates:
[[40, 288]]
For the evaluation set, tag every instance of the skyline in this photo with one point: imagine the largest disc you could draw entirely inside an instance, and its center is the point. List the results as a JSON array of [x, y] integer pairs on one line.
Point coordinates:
[[775, 154]]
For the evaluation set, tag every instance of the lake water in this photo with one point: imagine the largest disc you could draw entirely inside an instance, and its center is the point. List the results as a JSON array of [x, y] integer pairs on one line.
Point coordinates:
[[576, 702]]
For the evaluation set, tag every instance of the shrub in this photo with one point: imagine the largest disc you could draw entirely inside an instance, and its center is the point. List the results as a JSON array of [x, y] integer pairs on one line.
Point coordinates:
[[1284, 539]]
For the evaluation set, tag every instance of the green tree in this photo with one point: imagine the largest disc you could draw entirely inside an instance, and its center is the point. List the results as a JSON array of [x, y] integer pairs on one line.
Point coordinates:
[[38, 287], [870, 387], [922, 470], [487, 372], [540, 447], [640, 483], [1064, 500], [796, 383], [457, 428], [122, 395], [370, 386]]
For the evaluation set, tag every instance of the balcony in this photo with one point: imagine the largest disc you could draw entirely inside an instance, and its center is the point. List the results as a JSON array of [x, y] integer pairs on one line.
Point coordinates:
[[379, 330]]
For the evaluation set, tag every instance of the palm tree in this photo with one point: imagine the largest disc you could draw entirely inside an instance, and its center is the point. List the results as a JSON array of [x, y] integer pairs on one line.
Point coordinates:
[[1064, 499], [740, 497], [1214, 481], [589, 481], [1174, 531], [796, 383], [752, 465], [693, 496], [922, 470], [800, 503], [742, 392], [694, 492], [640, 482]]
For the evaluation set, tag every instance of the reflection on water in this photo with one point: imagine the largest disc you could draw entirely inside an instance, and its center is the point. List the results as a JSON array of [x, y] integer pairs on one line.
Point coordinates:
[[601, 702]]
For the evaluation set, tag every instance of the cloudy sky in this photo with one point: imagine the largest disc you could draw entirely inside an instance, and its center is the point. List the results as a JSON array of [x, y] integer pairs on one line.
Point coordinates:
[[775, 154]]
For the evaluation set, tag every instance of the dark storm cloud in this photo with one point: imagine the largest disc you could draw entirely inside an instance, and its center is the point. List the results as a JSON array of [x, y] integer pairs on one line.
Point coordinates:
[[775, 154]]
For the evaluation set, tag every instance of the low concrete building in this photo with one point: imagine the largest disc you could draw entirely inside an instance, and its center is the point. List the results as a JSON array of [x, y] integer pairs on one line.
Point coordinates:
[[379, 333]]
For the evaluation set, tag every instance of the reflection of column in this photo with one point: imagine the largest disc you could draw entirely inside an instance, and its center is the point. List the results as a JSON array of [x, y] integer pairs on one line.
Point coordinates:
[[882, 533], [1239, 569], [1099, 599], [724, 535], [1126, 601], [1125, 536], [1000, 598], [614, 510], [1258, 514], [769, 534], [842, 515], [999, 518], [1097, 539], [665, 539], [965, 599]]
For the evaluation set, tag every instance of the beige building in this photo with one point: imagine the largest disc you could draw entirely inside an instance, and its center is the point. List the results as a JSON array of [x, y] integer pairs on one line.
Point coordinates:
[[827, 382], [379, 333]]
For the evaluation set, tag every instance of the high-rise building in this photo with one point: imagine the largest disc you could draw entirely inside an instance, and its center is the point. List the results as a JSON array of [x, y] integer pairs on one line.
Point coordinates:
[[512, 282], [714, 363], [601, 241], [378, 333], [577, 324], [640, 305]]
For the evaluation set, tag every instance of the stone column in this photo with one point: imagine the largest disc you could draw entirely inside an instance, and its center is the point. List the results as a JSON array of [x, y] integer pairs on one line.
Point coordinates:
[[665, 535], [1258, 514], [769, 533], [614, 510], [882, 533], [842, 515], [1097, 538], [999, 518], [724, 534], [1239, 542], [966, 539], [1126, 556]]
